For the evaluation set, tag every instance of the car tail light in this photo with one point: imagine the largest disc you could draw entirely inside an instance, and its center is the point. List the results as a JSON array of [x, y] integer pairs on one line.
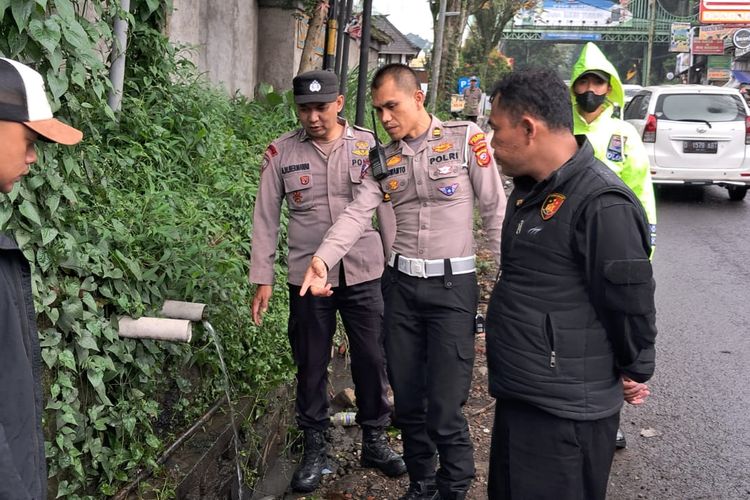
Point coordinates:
[[747, 130], [649, 131]]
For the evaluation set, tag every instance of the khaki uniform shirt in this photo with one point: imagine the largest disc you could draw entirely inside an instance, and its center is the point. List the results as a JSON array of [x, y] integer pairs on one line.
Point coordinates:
[[316, 191], [432, 190], [472, 98]]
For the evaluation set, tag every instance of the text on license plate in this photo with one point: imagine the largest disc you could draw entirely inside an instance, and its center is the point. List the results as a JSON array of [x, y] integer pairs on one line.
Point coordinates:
[[709, 147]]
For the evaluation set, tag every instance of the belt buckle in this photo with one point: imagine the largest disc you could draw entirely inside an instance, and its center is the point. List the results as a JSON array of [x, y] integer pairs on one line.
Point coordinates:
[[418, 268]]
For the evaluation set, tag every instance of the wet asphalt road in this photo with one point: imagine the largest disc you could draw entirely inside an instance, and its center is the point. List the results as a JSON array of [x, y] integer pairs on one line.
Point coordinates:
[[700, 402]]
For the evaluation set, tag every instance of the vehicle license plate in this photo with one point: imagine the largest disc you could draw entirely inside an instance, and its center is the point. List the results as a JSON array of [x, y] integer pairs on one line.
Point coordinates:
[[706, 147]]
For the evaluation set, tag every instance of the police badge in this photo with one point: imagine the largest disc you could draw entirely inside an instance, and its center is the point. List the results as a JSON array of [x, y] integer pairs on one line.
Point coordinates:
[[615, 147], [551, 205], [449, 190]]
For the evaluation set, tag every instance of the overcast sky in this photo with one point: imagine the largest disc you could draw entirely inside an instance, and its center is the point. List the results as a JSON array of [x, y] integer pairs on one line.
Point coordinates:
[[411, 16]]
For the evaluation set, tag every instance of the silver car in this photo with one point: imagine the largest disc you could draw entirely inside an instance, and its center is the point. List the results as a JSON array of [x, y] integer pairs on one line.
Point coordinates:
[[694, 134]]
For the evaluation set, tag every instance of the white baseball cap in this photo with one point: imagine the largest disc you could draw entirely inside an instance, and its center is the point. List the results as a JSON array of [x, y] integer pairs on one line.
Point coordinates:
[[23, 100]]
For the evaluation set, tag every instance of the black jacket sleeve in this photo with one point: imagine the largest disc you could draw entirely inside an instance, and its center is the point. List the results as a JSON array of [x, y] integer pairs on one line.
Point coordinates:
[[11, 484], [612, 237]]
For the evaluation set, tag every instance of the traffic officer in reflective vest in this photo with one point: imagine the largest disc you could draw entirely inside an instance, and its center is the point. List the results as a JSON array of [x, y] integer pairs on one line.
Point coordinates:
[[595, 90], [435, 170], [318, 170]]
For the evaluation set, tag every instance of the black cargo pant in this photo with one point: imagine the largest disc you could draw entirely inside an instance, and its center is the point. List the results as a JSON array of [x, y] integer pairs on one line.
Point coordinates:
[[429, 341], [535, 454], [312, 323]]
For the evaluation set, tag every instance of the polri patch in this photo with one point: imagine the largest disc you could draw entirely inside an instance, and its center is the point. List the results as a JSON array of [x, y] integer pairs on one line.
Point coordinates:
[[449, 190], [297, 197], [551, 205], [443, 157], [304, 180], [392, 185]]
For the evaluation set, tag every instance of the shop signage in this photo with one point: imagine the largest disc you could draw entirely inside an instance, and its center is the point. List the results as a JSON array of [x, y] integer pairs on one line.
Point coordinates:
[[680, 37], [741, 38], [703, 47], [718, 74], [719, 62], [722, 11]]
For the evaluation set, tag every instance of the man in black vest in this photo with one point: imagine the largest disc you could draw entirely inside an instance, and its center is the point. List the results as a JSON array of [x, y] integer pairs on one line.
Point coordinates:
[[571, 322]]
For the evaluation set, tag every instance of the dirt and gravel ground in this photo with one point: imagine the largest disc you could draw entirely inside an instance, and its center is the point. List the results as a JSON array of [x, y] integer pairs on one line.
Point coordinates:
[[349, 481]]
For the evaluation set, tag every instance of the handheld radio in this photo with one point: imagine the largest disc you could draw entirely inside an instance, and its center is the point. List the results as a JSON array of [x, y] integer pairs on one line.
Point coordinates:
[[377, 155]]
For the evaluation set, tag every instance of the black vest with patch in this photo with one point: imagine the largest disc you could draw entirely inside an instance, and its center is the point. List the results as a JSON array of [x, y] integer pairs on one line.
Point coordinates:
[[545, 344]]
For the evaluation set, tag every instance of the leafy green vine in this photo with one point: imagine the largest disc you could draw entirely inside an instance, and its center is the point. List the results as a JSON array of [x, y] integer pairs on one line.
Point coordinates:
[[155, 205]]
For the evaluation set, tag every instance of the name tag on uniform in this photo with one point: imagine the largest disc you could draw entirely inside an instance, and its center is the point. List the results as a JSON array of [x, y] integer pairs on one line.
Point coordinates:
[[294, 168]]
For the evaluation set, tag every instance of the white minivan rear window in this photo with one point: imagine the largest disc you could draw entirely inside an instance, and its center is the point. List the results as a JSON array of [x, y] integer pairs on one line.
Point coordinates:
[[703, 107]]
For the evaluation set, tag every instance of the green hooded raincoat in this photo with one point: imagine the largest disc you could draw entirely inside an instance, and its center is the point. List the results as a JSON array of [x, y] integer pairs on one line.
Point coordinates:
[[615, 142]]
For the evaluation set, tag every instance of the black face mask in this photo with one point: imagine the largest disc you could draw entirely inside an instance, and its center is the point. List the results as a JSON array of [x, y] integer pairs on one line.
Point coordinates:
[[590, 102]]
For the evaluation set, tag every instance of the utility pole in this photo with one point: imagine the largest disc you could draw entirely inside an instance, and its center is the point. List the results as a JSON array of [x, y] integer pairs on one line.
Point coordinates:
[[329, 57], [344, 69], [650, 46], [437, 55], [364, 55], [341, 21]]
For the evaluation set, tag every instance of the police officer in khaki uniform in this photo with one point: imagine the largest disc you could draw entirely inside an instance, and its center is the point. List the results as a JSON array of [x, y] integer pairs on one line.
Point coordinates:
[[318, 170], [435, 171], [472, 99]]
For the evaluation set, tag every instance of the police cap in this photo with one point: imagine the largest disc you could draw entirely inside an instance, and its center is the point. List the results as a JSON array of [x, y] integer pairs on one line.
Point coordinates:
[[316, 86], [596, 72]]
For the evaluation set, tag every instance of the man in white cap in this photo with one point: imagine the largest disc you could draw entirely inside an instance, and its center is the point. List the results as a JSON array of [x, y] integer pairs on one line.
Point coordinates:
[[25, 116]]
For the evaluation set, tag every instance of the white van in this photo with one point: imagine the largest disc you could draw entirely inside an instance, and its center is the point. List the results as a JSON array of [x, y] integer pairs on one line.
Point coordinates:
[[694, 134]]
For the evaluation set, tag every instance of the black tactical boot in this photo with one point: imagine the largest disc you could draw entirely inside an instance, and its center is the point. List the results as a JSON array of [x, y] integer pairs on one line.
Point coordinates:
[[421, 490], [377, 453], [620, 441], [314, 459]]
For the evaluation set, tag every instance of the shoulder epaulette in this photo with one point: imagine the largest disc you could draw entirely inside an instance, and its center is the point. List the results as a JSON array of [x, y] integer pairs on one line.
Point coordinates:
[[292, 134], [457, 123], [362, 129]]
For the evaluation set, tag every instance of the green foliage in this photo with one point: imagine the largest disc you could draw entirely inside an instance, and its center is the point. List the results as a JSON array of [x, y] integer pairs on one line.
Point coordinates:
[[156, 205], [485, 32], [490, 68], [549, 55]]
